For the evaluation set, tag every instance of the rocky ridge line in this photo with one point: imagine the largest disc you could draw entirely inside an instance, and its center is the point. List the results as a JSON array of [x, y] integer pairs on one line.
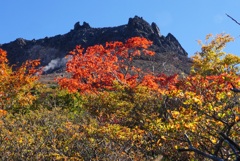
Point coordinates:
[[170, 56]]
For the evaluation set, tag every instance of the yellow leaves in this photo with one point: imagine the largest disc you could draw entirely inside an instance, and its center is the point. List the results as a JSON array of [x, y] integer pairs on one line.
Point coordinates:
[[159, 142], [178, 126], [217, 42], [16, 86], [197, 100], [175, 114], [115, 131], [210, 107], [90, 129], [176, 147], [220, 95], [212, 60], [20, 140], [140, 111], [221, 115], [237, 118], [163, 137], [3, 112], [229, 94], [92, 140], [219, 123], [230, 59], [59, 130], [214, 140], [191, 126], [192, 98]]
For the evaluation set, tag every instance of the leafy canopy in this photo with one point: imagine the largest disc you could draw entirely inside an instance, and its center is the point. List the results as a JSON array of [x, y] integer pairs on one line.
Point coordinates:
[[100, 67], [212, 60], [17, 86]]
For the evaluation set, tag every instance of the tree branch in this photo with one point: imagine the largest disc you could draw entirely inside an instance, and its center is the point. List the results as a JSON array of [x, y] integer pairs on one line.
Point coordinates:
[[191, 148], [230, 141], [233, 19], [234, 89], [234, 146]]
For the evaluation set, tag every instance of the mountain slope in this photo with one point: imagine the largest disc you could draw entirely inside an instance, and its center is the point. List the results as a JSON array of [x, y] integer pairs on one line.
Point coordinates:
[[170, 56]]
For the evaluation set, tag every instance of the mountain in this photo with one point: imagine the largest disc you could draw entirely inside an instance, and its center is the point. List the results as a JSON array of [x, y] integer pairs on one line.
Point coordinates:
[[170, 56]]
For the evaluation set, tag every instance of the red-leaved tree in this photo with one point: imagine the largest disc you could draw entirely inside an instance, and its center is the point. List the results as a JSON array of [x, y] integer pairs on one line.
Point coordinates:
[[100, 67]]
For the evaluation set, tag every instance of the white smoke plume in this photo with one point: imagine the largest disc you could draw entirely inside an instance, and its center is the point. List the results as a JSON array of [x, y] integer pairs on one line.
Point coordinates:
[[56, 63]]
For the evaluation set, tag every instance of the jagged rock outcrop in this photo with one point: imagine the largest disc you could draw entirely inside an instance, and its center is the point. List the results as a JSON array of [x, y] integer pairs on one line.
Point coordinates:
[[170, 56]]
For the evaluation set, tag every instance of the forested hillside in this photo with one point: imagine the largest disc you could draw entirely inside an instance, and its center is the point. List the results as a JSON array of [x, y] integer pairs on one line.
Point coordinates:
[[109, 108]]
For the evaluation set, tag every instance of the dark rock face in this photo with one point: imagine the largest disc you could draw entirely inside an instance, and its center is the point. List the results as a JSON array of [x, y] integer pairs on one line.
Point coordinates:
[[170, 56]]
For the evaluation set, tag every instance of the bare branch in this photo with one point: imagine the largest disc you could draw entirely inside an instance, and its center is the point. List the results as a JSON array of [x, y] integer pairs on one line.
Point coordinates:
[[234, 89], [191, 148], [230, 141], [233, 19], [234, 146]]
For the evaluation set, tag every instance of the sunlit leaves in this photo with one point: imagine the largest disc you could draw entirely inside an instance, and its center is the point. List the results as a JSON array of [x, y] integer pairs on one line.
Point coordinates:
[[117, 111], [163, 107], [206, 94], [212, 60], [17, 86], [99, 66]]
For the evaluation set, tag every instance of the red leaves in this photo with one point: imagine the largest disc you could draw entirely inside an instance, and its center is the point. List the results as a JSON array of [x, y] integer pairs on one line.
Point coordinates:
[[113, 45], [3, 56], [100, 66], [138, 42], [160, 82]]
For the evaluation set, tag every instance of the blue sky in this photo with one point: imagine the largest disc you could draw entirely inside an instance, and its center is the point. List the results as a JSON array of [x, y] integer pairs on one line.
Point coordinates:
[[187, 20]]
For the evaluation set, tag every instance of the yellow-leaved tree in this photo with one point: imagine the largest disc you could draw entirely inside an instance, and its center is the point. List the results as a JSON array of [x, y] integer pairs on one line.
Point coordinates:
[[212, 60], [17, 86], [207, 113]]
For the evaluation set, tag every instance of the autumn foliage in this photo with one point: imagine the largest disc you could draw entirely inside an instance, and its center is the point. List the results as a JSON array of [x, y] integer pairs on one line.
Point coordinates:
[[212, 60], [100, 67], [167, 108], [16, 85], [108, 109]]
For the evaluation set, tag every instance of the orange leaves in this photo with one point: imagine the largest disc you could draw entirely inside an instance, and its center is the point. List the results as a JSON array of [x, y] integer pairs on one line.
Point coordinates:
[[138, 42], [209, 85], [77, 50], [3, 112], [201, 104], [65, 84], [3, 62], [100, 66], [16, 86], [113, 45], [161, 83], [150, 81], [3, 56]]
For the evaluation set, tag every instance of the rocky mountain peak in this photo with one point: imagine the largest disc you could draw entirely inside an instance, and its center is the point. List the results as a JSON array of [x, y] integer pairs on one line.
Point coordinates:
[[139, 24], [155, 28], [85, 25], [52, 50]]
